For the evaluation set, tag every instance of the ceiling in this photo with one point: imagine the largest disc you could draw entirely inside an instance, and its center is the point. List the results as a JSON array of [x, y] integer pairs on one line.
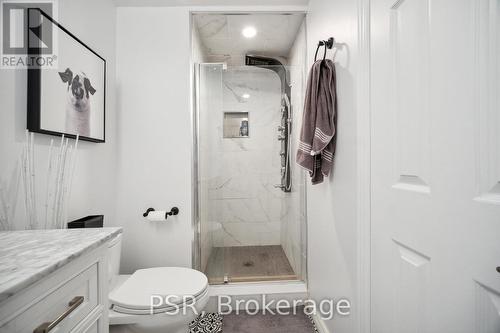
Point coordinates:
[[211, 2], [221, 35]]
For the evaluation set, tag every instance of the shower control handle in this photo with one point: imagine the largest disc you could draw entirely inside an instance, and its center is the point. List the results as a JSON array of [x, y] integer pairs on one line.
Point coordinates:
[[281, 128], [281, 137], [279, 186]]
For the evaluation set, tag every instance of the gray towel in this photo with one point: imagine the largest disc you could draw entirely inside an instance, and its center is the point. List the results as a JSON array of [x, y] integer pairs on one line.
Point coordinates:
[[317, 137]]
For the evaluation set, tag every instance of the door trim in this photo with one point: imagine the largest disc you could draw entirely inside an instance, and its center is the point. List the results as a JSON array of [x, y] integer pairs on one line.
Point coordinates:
[[364, 169]]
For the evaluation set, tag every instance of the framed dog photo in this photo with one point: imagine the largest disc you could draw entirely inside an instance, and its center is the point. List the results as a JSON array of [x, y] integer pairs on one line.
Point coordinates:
[[71, 99]]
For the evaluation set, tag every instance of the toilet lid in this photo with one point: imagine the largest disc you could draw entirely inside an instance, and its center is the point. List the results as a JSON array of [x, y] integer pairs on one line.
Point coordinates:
[[137, 291]]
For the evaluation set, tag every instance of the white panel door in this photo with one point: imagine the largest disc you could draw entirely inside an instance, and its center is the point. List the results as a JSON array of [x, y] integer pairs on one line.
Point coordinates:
[[435, 166]]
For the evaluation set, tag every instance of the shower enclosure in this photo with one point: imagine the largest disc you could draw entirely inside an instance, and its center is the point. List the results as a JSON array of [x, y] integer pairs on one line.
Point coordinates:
[[250, 198]]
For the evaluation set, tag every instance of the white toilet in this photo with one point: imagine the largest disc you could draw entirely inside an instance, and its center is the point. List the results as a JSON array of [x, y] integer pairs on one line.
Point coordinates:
[[130, 297]]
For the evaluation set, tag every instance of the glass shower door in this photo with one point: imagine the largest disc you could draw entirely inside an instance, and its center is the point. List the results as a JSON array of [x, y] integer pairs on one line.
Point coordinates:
[[209, 103], [249, 228]]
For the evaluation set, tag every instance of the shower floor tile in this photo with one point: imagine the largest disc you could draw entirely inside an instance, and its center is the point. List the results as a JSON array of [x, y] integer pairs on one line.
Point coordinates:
[[249, 263]]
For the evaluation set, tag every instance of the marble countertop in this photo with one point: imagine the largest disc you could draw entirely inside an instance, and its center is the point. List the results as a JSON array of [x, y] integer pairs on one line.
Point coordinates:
[[26, 256]]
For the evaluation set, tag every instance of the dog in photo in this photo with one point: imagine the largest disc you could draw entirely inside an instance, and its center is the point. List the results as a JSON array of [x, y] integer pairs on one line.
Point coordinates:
[[79, 90]]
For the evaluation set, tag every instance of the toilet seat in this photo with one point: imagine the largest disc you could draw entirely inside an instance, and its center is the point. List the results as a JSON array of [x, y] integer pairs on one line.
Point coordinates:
[[134, 295], [157, 310]]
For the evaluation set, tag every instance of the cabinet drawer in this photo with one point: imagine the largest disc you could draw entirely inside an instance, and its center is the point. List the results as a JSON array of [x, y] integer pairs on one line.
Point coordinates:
[[94, 328], [56, 303]]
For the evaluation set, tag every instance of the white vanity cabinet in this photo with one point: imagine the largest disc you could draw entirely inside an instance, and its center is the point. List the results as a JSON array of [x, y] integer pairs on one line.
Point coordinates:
[[73, 297]]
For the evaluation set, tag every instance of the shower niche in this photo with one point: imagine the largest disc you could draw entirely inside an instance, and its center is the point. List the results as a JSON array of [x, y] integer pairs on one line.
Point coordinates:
[[250, 196], [235, 125]]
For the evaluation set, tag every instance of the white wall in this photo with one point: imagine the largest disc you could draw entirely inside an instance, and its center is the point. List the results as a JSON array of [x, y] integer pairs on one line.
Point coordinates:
[[154, 133], [332, 207], [93, 22]]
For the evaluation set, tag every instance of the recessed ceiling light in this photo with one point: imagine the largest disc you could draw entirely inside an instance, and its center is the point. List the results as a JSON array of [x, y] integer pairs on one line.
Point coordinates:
[[249, 32], [246, 96]]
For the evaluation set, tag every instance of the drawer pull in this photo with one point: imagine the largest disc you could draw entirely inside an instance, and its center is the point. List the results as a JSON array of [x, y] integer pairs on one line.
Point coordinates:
[[73, 304]]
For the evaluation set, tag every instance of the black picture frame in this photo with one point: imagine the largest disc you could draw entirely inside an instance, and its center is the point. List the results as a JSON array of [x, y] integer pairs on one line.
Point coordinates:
[[34, 89]]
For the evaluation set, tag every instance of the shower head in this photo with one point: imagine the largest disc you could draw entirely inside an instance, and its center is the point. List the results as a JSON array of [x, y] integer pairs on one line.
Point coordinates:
[[267, 63], [272, 64], [260, 61]]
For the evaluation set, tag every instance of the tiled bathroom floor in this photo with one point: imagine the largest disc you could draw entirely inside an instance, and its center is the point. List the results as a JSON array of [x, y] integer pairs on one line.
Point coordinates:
[[249, 263]]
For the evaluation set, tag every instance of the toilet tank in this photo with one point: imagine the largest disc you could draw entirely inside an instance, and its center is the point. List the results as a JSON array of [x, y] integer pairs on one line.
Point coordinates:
[[114, 254]]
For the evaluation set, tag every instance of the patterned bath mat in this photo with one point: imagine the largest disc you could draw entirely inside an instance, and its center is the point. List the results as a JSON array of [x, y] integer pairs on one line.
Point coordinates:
[[206, 323], [313, 323]]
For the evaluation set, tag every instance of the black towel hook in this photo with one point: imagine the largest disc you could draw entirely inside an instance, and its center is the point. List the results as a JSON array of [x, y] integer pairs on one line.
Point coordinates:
[[328, 44]]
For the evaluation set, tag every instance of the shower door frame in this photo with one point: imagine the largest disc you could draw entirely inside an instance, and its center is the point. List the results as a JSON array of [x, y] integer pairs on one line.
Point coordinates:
[[195, 84], [196, 223], [196, 245]]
